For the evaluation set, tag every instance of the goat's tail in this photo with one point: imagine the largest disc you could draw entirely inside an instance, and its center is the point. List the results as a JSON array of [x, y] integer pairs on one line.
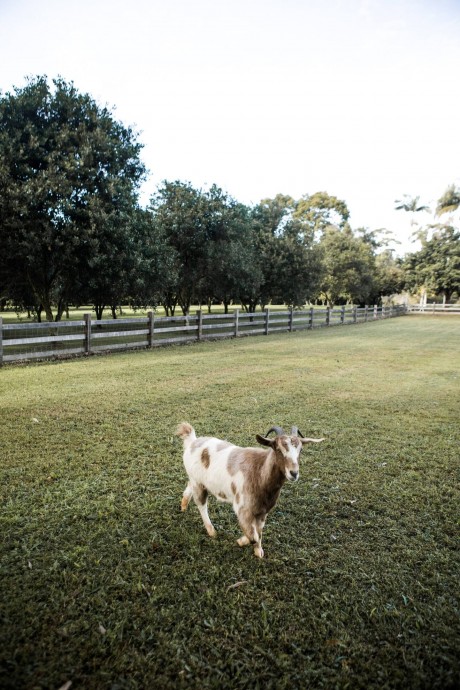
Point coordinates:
[[186, 433]]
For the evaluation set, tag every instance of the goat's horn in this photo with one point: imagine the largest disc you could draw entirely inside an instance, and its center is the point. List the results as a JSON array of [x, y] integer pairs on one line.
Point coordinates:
[[279, 431], [296, 432]]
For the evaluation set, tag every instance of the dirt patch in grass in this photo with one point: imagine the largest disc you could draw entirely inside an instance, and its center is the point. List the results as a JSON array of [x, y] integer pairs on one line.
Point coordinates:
[[106, 584]]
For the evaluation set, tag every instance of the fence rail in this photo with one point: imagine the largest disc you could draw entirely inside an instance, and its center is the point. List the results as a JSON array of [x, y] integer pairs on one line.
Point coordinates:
[[435, 309], [28, 341]]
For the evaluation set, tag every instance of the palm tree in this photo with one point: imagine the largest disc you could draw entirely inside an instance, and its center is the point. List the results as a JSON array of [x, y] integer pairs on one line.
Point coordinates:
[[412, 205], [449, 202]]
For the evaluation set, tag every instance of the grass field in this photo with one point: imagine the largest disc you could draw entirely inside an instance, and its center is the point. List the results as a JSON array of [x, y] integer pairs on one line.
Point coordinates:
[[105, 584], [77, 314]]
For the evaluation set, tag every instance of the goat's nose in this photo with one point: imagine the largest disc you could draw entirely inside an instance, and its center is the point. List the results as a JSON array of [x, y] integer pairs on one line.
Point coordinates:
[[294, 475]]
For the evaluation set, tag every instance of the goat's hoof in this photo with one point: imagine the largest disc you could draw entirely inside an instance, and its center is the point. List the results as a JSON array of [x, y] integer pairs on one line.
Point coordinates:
[[211, 531], [183, 505], [259, 552], [242, 541]]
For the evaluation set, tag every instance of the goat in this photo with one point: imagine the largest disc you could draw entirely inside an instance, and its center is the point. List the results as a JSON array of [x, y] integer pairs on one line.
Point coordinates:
[[249, 478]]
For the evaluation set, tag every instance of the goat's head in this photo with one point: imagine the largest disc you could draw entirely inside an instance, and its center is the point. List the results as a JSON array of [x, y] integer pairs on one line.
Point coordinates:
[[287, 448]]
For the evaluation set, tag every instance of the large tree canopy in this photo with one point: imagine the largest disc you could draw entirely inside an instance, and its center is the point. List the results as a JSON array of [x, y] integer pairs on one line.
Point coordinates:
[[319, 211], [211, 238], [68, 172]]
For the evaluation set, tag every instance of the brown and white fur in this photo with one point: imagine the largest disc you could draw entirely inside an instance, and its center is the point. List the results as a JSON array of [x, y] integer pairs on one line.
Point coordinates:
[[249, 478]]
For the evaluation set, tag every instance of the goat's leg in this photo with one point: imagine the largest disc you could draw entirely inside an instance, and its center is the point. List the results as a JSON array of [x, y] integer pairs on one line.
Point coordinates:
[[252, 529], [258, 550], [187, 495], [244, 519], [200, 496]]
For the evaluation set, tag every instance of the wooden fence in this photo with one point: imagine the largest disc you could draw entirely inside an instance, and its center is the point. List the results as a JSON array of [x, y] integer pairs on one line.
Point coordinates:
[[26, 341]]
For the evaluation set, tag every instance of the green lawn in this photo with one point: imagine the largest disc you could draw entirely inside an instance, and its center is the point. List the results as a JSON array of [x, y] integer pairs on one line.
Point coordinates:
[[77, 314], [106, 584]]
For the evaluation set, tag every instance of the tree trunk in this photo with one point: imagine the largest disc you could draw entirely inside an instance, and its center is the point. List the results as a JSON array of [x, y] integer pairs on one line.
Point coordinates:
[[60, 310], [48, 312], [99, 309], [44, 300], [39, 313]]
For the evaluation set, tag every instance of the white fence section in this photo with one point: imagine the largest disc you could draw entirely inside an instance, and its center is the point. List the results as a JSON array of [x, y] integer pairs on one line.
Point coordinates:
[[435, 309], [27, 341]]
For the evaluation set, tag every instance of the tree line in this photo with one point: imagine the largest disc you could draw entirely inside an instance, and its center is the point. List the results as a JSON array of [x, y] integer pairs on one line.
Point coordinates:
[[435, 268], [73, 231]]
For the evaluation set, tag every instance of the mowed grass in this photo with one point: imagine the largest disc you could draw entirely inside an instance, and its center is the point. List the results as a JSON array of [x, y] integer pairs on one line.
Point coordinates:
[[105, 584]]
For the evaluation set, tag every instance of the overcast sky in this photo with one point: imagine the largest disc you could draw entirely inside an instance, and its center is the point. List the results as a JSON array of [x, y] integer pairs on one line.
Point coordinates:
[[358, 98]]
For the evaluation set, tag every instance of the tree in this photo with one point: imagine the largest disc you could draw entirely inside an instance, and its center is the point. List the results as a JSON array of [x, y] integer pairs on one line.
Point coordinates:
[[273, 214], [410, 204], [299, 270], [68, 173], [231, 261], [212, 238], [413, 206], [449, 202], [436, 267], [155, 277], [389, 276], [269, 219], [349, 267], [319, 211], [132, 267], [180, 214], [288, 257], [104, 279]]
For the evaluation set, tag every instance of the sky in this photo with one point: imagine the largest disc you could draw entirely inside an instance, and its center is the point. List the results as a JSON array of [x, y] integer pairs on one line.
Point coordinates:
[[358, 98]]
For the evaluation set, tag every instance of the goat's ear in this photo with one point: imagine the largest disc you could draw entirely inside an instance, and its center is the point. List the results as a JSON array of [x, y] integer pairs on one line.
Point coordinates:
[[265, 441], [310, 440]]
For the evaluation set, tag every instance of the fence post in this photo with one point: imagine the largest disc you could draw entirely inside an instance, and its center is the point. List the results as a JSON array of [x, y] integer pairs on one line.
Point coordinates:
[[237, 316], [151, 328], [328, 316], [200, 323], [311, 317], [375, 311], [87, 318], [342, 315], [366, 312], [355, 314], [1, 341], [266, 321], [291, 319]]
